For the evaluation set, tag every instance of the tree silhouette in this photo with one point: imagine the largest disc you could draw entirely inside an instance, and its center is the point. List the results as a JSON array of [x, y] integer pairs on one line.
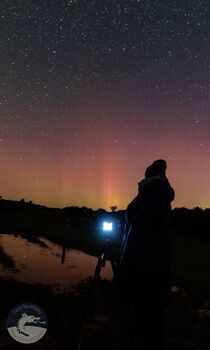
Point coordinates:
[[113, 208]]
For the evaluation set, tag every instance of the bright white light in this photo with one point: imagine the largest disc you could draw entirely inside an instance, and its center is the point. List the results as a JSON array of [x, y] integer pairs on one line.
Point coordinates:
[[107, 226]]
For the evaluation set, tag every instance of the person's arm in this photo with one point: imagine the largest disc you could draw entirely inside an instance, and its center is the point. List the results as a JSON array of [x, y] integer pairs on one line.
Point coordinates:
[[171, 193], [130, 210], [128, 218]]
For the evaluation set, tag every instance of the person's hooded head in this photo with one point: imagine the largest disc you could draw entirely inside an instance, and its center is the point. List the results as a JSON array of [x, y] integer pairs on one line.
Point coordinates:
[[158, 167], [149, 172]]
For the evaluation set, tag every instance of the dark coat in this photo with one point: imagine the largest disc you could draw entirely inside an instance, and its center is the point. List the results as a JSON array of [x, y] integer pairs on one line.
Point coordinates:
[[145, 258]]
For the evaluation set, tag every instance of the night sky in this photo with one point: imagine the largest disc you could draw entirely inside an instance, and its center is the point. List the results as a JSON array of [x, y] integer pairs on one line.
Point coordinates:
[[91, 92]]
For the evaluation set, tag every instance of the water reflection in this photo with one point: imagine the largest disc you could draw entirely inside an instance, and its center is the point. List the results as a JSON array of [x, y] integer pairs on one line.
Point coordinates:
[[38, 264]]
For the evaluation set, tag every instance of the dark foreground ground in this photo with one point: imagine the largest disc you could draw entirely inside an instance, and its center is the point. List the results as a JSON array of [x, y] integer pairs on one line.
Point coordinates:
[[187, 321]]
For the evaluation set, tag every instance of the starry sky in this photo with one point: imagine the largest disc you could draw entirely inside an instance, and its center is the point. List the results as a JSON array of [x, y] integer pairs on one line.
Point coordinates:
[[91, 92]]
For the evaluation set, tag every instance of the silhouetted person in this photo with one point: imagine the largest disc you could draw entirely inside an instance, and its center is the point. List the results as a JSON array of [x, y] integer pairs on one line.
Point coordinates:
[[144, 270]]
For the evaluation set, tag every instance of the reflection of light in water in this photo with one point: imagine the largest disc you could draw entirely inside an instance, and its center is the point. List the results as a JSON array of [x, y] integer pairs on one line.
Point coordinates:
[[41, 265]]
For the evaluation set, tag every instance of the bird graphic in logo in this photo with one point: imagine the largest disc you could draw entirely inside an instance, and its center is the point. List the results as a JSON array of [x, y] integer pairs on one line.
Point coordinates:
[[27, 319]]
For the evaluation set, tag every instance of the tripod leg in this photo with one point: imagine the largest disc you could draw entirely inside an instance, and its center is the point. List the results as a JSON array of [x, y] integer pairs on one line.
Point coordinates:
[[84, 320], [96, 276], [99, 266]]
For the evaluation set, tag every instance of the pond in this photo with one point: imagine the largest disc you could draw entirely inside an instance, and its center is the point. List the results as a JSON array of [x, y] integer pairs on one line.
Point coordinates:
[[43, 263]]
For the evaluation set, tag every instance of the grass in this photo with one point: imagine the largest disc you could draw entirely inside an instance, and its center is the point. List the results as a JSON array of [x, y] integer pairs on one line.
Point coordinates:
[[186, 327], [191, 262]]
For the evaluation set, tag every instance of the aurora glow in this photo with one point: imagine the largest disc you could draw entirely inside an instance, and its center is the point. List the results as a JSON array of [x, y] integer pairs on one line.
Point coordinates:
[[92, 92]]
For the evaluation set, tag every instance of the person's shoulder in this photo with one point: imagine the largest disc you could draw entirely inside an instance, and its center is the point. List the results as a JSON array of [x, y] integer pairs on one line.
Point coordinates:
[[164, 186], [134, 200], [161, 183]]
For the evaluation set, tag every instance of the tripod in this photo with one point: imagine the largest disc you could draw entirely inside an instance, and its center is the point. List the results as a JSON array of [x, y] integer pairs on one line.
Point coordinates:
[[105, 254]]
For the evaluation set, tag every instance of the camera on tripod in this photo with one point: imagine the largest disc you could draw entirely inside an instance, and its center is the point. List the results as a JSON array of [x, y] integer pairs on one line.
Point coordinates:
[[106, 226]]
